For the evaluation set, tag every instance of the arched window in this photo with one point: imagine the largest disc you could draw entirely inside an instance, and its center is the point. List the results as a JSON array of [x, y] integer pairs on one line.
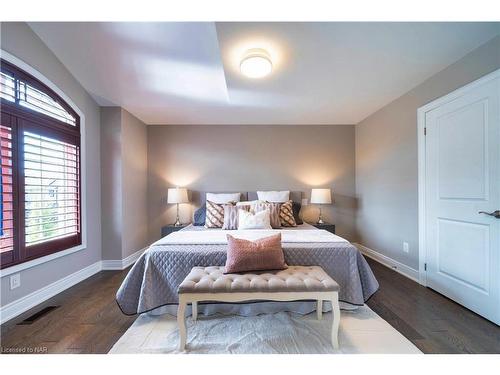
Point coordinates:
[[40, 210]]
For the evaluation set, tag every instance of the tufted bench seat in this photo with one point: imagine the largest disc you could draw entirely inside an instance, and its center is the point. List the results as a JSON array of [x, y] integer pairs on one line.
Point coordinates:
[[294, 283]]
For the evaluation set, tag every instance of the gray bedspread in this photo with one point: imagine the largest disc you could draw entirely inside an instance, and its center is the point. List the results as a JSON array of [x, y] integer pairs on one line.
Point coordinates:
[[153, 280]]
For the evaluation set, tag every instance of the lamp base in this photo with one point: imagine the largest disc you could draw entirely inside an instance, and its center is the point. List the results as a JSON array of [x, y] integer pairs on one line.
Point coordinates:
[[177, 221], [320, 218]]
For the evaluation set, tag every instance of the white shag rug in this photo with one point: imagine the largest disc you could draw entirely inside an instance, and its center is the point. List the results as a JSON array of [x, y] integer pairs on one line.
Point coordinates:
[[361, 331]]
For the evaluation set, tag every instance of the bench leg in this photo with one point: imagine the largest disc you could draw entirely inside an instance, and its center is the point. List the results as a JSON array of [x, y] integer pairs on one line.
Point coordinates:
[[181, 321], [319, 309], [194, 310], [336, 320]]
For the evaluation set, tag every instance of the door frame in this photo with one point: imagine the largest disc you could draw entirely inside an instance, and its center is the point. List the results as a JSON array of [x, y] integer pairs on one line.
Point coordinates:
[[421, 112]]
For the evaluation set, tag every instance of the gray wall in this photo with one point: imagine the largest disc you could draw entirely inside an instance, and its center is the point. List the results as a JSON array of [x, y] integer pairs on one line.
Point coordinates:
[[124, 183], [245, 158], [111, 177], [134, 177], [19, 40], [386, 158]]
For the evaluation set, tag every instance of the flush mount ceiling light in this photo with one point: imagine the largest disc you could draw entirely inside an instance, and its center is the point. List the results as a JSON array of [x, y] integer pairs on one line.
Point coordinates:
[[256, 63]]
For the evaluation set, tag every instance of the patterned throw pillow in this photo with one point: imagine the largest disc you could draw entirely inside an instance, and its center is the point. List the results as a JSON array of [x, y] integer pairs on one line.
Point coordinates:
[[286, 215], [274, 209], [215, 215], [231, 216], [248, 203]]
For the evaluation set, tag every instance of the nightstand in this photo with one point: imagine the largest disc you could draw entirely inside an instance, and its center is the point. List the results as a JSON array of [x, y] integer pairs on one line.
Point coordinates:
[[170, 228], [329, 227]]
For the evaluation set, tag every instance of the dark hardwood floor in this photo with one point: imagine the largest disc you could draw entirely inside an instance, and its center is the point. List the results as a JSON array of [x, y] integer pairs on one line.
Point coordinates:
[[89, 321], [434, 323]]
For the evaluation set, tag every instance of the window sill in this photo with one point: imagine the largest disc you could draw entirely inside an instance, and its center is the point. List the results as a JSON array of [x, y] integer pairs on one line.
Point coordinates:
[[35, 262]]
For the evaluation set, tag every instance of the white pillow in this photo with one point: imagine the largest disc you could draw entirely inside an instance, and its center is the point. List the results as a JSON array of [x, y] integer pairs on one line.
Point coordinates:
[[259, 220], [221, 198], [274, 196], [247, 203]]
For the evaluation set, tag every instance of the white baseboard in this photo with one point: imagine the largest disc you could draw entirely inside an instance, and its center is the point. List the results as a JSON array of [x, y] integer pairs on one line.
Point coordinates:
[[25, 303], [399, 267], [111, 265], [108, 265]]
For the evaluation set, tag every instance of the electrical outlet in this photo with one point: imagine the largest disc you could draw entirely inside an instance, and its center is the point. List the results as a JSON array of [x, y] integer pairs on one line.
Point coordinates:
[[406, 247], [15, 281], [305, 201]]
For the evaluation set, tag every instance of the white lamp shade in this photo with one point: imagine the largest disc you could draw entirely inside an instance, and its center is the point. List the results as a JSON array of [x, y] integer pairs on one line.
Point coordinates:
[[321, 196], [177, 195]]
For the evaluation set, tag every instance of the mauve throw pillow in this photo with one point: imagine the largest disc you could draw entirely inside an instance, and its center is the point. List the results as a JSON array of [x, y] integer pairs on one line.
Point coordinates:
[[262, 254]]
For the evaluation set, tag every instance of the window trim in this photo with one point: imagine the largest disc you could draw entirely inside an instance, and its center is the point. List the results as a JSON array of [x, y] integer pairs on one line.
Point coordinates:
[[19, 73], [44, 125], [13, 60]]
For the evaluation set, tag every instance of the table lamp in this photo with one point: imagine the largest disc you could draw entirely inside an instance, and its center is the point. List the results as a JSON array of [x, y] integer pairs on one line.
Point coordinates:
[[321, 196], [177, 196]]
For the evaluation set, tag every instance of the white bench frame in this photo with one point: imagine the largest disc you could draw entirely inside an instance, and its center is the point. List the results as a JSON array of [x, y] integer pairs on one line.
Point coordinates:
[[186, 298]]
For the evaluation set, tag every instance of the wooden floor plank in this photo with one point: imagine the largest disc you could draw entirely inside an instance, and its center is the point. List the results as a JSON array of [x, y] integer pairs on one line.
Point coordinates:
[[444, 326]]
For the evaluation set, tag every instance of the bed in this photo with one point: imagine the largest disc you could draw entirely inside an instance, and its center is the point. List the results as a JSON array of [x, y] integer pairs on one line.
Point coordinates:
[[151, 285]]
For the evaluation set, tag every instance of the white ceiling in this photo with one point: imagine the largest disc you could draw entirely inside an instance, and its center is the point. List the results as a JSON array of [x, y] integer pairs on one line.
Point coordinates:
[[324, 73]]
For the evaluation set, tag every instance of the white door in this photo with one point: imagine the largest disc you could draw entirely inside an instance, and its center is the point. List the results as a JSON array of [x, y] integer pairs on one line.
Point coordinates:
[[462, 150]]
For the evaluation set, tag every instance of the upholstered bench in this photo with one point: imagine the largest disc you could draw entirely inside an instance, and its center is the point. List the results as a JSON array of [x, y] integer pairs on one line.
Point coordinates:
[[292, 284]]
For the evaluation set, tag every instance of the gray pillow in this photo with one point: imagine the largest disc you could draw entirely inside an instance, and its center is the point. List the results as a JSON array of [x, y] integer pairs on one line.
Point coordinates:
[[200, 215], [296, 209]]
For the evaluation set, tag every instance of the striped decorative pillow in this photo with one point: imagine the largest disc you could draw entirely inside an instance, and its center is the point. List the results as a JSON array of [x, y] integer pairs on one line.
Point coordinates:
[[286, 215], [215, 215], [231, 216], [274, 209]]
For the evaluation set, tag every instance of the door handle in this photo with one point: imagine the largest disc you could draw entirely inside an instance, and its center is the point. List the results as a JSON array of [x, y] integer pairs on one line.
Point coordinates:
[[495, 214]]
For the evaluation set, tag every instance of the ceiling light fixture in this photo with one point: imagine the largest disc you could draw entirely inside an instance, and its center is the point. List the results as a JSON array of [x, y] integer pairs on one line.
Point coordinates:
[[256, 63]]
